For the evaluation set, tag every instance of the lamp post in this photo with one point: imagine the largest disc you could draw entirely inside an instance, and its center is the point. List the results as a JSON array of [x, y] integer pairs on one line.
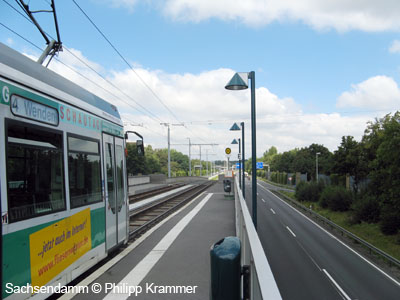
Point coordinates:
[[316, 165], [235, 142], [239, 82]]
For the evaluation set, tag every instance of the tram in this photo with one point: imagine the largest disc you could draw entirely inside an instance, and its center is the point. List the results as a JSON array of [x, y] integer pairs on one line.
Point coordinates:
[[63, 186]]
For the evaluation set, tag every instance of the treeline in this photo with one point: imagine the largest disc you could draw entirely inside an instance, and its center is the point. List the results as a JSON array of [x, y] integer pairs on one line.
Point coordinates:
[[156, 161], [375, 160]]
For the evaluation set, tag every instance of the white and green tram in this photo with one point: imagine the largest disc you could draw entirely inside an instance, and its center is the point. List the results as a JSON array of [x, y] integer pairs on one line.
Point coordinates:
[[63, 191]]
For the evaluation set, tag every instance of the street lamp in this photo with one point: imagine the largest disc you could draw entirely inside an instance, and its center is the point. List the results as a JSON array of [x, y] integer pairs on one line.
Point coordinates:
[[239, 82], [235, 127], [235, 142], [240, 162], [316, 164]]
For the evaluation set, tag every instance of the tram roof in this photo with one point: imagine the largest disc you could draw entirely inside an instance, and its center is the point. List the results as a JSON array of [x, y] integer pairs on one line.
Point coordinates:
[[31, 68]]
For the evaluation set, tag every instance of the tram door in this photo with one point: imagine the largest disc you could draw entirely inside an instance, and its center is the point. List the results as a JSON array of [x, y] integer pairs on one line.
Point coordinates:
[[114, 186]]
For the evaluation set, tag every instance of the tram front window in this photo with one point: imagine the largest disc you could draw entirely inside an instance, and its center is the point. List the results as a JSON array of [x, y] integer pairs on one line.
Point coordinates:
[[34, 172], [84, 171]]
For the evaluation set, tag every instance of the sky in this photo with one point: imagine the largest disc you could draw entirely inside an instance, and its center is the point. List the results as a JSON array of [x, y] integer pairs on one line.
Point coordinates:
[[323, 69]]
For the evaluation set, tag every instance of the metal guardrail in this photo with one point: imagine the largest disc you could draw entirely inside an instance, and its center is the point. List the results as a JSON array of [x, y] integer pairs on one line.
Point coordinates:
[[263, 285], [343, 231]]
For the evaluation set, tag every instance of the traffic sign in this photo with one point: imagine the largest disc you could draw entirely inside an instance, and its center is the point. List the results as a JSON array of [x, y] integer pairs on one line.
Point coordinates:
[[238, 166], [228, 151], [259, 165]]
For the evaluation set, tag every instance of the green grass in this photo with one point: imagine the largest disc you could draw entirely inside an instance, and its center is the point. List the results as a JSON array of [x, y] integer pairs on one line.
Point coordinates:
[[288, 194], [214, 177], [368, 232]]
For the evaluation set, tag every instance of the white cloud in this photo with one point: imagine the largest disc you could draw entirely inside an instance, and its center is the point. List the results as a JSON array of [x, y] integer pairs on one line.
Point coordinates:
[[342, 15], [209, 110], [395, 47], [379, 92]]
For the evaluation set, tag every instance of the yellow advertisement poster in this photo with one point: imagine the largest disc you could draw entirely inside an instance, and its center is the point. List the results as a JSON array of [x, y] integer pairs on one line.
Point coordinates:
[[54, 248]]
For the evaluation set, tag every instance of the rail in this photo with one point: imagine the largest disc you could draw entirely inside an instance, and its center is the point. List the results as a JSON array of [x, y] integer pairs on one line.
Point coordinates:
[[343, 231], [263, 285], [186, 196]]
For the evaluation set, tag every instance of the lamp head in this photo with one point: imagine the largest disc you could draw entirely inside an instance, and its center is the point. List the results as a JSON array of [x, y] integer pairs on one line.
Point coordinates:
[[235, 127], [238, 82]]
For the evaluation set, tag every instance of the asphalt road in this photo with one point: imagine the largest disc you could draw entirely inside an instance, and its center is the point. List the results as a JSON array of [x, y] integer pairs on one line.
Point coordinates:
[[310, 263]]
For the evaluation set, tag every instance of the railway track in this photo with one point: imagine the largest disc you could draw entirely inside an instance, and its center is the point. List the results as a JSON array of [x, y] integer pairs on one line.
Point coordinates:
[[141, 196], [145, 217]]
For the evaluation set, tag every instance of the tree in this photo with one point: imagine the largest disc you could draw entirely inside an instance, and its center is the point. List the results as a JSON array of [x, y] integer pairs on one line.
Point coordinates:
[[152, 162], [305, 160], [138, 164], [284, 162], [349, 159], [269, 155], [382, 143], [135, 163]]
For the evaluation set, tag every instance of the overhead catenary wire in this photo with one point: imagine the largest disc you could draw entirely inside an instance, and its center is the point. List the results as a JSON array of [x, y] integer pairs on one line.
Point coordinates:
[[127, 63], [72, 69], [151, 115], [130, 66]]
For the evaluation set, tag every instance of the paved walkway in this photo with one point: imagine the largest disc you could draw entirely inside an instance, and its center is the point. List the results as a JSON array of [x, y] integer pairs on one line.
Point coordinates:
[[174, 261]]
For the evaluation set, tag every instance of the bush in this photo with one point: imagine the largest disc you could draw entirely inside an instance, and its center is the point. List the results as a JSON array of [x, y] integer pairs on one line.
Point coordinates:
[[390, 221], [366, 209], [180, 173], [261, 173], [308, 191], [336, 198]]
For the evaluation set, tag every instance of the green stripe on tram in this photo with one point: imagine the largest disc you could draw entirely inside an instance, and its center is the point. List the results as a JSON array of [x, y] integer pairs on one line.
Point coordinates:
[[6, 90]]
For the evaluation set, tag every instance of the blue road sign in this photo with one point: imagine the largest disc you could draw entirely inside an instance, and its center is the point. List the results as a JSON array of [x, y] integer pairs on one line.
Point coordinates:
[[238, 166], [259, 165]]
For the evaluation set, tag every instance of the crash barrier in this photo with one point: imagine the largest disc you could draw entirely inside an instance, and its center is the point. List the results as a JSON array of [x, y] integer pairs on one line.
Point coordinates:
[[239, 267], [261, 281]]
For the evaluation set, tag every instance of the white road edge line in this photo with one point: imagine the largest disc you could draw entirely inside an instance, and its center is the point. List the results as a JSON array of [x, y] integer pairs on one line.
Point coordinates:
[[92, 277], [336, 284], [287, 227], [139, 272], [273, 211], [348, 247]]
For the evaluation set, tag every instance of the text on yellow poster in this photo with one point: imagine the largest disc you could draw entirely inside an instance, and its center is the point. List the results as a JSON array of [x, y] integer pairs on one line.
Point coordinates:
[[55, 247]]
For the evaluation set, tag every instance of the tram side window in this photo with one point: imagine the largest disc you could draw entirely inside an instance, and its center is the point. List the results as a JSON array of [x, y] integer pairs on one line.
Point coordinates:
[[34, 172], [84, 171]]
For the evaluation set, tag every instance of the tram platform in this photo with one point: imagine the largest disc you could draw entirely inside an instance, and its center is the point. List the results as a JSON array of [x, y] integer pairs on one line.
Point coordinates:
[[172, 260]]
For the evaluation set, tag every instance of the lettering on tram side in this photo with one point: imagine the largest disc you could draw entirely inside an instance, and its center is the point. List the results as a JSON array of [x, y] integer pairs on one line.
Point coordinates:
[[33, 110], [55, 247], [6, 94], [75, 117]]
